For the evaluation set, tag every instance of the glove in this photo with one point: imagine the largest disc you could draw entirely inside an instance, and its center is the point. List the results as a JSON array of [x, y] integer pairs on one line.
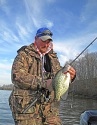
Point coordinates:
[[72, 72]]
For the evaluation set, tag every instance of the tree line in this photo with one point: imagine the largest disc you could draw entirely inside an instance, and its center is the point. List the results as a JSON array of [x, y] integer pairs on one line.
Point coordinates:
[[6, 87], [86, 74]]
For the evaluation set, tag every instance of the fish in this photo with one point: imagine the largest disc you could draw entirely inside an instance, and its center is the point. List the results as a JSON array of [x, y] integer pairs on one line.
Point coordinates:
[[60, 84]]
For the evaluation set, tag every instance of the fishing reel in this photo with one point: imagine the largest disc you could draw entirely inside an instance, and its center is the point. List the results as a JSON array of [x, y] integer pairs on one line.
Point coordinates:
[[44, 92]]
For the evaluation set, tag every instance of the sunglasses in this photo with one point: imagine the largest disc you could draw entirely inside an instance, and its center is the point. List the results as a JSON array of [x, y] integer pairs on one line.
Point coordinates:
[[46, 32]]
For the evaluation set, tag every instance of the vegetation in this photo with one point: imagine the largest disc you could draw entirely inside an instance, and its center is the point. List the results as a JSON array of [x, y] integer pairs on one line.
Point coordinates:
[[6, 87], [86, 78], [86, 66]]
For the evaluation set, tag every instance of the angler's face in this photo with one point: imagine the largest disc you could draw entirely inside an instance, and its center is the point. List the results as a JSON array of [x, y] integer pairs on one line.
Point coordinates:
[[42, 45]]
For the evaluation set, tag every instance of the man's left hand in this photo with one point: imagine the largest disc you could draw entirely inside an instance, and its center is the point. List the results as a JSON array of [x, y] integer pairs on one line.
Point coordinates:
[[72, 72]]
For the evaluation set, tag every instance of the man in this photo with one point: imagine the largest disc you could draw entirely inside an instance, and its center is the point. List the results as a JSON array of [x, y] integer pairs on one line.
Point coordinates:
[[32, 71]]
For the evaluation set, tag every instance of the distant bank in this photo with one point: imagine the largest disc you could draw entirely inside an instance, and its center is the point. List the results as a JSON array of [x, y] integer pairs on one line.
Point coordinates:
[[6, 87]]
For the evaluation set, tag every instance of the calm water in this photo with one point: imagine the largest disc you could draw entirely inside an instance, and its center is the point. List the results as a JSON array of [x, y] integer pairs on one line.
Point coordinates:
[[70, 111], [5, 113]]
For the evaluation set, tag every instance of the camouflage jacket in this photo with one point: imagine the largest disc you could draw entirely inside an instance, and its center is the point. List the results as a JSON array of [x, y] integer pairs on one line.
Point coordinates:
[[27, 74], [27, 71]]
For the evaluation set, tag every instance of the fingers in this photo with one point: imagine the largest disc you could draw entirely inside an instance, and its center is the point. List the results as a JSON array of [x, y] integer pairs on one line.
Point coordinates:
[[48, 83], [72, 72]]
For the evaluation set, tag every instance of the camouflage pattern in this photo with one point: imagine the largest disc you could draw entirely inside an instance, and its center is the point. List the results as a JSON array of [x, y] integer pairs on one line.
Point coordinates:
[[26, 76]]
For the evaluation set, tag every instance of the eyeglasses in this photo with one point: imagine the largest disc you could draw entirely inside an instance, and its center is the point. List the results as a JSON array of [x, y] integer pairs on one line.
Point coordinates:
[[46, 32]]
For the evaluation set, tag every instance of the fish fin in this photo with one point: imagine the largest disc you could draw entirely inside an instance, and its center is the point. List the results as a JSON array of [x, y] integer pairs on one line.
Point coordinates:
[[64, 96]]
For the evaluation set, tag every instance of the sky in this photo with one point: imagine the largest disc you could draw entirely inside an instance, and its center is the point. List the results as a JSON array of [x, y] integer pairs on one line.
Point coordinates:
[[73, 23]]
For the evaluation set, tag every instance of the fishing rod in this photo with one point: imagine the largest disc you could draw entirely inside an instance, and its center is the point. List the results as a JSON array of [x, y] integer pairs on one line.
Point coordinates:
[[83, 50], [74, 61]]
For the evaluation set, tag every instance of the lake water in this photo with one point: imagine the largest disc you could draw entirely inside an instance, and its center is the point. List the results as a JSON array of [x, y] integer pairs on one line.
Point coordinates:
[[5, 113], [70, 109]]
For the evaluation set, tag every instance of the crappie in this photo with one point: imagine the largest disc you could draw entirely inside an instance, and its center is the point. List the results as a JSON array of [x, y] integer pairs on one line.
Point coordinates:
[[60, 84]]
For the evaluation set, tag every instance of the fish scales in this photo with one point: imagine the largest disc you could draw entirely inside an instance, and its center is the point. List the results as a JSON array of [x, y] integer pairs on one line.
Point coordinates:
[[60, 84]]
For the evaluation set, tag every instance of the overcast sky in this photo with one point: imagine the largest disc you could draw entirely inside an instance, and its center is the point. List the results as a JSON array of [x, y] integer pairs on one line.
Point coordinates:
[[73, 23]]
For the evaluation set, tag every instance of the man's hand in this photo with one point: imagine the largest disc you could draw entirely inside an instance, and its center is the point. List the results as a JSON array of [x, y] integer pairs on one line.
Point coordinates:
[[72, 72], [48, 83]]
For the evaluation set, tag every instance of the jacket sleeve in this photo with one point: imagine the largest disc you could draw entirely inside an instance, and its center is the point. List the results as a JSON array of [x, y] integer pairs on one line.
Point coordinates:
[[20, 75]]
